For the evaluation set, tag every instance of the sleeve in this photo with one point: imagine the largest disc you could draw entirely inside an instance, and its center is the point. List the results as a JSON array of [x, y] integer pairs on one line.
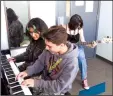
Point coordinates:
[[23, 56], [38, 53], [40, 48], [83, 39], [38, 66], [62, 82]]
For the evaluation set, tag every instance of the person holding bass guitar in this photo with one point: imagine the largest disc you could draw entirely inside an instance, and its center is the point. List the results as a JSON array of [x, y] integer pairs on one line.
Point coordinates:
[[75, 34]]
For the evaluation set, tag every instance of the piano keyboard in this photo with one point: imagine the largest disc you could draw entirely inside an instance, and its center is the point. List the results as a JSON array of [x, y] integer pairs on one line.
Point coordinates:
[[10, 71]]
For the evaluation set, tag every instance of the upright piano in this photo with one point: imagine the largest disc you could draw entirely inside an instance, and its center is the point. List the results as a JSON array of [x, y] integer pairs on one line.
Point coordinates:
[[9, 71]]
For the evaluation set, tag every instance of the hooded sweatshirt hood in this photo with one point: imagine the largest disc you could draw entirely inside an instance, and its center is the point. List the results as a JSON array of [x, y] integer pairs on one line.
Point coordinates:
[[72, 51]]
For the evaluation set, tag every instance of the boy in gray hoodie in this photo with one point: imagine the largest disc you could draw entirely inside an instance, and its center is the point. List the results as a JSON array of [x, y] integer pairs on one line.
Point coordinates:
[[58, 63]]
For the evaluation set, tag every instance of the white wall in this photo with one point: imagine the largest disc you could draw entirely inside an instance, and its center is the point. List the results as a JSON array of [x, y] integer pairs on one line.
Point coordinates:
[[44, 10], [21, 10], [4, 39], [105, 29]]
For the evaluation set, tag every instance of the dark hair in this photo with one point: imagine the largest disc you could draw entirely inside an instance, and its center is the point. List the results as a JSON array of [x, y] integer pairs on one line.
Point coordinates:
[[39, 24], [56, 35], [75, 22], [11, 15]]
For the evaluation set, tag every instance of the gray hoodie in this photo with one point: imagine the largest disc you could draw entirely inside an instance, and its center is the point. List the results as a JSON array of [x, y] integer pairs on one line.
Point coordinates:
[[56, 79]]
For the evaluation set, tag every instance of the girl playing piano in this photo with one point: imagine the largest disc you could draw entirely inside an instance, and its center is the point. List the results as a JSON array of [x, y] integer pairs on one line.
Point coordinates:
[[34, 30]]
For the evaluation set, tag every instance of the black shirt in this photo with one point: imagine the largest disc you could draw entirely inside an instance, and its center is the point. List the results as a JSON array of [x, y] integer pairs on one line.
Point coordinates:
[[73, 38]]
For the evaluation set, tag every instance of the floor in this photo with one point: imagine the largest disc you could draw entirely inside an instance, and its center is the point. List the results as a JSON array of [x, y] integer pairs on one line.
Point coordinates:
[[98, 71]]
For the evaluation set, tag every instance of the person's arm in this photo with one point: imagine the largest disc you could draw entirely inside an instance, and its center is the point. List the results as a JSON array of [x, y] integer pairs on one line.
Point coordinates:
[[63, 81], [23, 56], [19, 58], [82, 39], [38, 66], [39, 49]]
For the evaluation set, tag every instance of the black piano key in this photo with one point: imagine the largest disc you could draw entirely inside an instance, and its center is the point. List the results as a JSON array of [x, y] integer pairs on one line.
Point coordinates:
[[8, 69], [14, 84], [3, 57], [8, 66], [10, 76], [4, 64], [5, 61], [11, 80], [16, 89], [20, 93], [9, 73]]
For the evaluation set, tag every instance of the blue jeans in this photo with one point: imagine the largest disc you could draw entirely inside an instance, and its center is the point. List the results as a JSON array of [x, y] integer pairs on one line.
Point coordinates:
[[82, 62]]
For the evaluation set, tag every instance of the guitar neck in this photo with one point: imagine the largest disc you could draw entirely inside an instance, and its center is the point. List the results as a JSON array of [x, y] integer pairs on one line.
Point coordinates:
[[87, 43]]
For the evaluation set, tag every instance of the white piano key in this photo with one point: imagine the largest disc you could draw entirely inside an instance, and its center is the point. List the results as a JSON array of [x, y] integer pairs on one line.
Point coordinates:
[[11, 77], [9, 74], [14, 86], [17, 92]]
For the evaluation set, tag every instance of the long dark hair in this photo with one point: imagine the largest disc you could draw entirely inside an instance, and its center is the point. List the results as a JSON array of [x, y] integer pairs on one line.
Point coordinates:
[[75, 22], [11, 15], [39, 24]]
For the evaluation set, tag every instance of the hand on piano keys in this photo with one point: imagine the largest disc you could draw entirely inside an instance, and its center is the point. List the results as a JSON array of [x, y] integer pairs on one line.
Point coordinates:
[[28, 82], [12, 59], [21, 75]]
